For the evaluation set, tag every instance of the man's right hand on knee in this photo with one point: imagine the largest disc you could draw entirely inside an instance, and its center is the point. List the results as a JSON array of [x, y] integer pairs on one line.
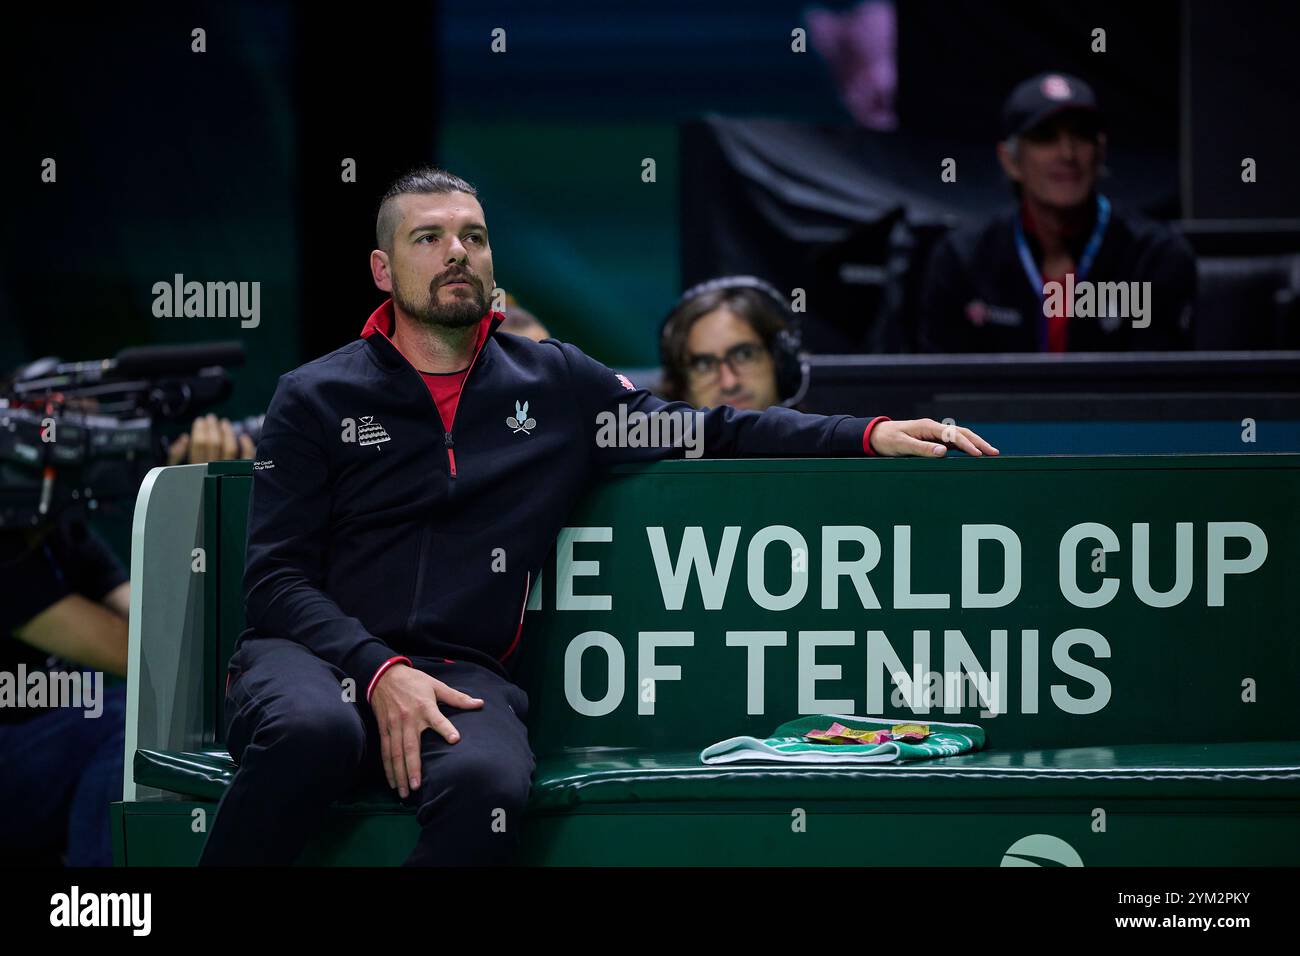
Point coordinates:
[[405, 701]]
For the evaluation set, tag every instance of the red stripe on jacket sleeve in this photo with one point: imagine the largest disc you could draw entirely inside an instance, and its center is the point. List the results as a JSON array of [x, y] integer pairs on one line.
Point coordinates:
[[382, 669], [866, 434]]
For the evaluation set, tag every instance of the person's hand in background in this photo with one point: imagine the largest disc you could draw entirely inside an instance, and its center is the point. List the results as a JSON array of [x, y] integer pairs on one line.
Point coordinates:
[[209, 439]]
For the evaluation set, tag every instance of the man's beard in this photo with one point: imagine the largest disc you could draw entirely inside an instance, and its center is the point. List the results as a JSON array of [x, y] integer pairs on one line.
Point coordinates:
[[462, 311]]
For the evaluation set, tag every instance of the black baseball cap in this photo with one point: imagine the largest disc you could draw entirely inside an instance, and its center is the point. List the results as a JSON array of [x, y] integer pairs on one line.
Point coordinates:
[[1042, 97]]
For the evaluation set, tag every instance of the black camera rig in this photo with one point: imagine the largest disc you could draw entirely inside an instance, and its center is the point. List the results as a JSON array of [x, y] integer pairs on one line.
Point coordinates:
[[82, 435]]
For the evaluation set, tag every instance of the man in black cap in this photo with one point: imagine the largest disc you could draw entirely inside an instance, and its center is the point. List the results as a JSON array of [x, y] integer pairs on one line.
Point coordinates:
[[1065, 269]]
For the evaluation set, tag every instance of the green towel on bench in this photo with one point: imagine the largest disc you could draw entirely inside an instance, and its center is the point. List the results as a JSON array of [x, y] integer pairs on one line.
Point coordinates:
[[787, 745]]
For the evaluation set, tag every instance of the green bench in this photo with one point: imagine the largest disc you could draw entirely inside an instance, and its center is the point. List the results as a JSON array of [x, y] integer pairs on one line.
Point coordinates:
[[1120, 731]]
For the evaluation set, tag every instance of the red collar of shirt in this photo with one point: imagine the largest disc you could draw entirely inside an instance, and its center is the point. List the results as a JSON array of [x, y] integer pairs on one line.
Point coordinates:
[[383, 319]]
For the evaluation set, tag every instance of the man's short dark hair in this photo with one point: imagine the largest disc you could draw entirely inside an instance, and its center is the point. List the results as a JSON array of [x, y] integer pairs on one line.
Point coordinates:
[[424, 181]]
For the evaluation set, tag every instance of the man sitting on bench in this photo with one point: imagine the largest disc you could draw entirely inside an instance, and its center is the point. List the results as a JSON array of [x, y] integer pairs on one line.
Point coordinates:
[[404, 489]]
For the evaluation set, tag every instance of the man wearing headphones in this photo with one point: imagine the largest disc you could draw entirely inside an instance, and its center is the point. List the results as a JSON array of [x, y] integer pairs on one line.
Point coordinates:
[[732, 341]]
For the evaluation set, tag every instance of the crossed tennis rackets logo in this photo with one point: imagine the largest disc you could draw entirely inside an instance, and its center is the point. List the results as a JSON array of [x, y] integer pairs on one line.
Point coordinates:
[[520, 422]]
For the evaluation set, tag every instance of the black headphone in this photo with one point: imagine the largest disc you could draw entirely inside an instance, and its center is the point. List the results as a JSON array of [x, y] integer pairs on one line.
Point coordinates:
[[791, 364]]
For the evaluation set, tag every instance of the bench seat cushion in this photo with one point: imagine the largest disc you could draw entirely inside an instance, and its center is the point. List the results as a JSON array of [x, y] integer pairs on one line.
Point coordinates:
[[617, 776], [606, 777]]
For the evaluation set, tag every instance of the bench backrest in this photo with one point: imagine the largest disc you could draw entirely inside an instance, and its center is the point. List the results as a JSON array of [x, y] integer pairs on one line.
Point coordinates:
[[691, 601]]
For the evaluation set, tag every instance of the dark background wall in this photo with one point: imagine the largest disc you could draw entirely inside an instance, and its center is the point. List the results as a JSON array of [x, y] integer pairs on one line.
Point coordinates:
[[168, 162], [220, 166], [1241, 95]]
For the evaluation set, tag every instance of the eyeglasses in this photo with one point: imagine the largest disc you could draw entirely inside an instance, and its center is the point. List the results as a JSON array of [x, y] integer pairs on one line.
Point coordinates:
[[741, 358]]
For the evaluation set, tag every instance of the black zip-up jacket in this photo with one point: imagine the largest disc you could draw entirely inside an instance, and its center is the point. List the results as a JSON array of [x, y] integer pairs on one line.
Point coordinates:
[[373, 531]]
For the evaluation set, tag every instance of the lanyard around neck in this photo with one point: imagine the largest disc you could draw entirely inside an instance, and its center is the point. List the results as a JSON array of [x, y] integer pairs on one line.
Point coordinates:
[[1081, 271]]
